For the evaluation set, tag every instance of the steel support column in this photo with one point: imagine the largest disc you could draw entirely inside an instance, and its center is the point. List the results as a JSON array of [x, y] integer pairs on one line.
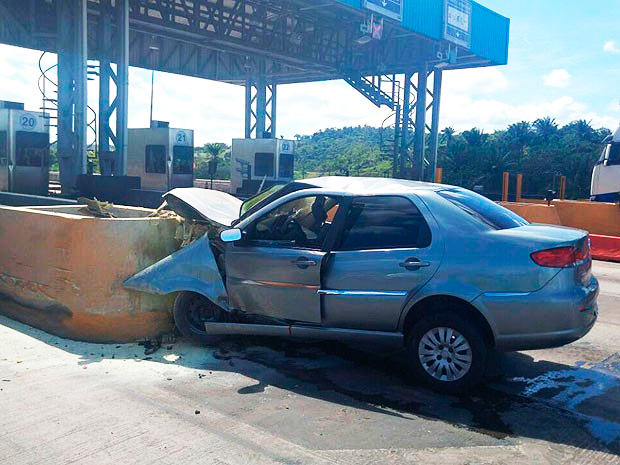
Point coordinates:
[[272, 114], [420, 125], [397, 135], [260, 108], [434, 142], [105, 74], [248, 109], [72, 98], [404, 133], [113, 142], [122, 87]]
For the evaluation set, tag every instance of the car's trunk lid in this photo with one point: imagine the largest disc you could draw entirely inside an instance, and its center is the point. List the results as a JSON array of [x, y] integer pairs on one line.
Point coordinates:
[[538, 237], [542, 235]]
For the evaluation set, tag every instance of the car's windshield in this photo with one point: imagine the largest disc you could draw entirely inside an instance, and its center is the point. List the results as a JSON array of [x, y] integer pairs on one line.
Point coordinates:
[[261, 199], [483, 209], [249, 203]]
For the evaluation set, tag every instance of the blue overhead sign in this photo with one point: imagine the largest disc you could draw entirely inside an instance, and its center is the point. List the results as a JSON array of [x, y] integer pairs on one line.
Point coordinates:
[[457, 22], [389, 8]]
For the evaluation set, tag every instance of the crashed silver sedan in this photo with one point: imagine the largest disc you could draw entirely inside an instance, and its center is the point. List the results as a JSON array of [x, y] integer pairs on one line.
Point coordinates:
[[439, 270]]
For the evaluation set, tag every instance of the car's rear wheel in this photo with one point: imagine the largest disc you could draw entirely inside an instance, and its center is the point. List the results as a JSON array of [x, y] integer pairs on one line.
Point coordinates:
[[447, 352], [191, 312]]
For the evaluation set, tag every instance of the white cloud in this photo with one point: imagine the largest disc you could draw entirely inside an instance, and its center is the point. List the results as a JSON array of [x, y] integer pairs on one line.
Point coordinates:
[[557, 78], [478, 80], [611, 47], [463, 112]]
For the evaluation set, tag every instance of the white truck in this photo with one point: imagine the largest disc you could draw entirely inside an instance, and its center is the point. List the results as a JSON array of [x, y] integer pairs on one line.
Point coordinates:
[[605, 185]]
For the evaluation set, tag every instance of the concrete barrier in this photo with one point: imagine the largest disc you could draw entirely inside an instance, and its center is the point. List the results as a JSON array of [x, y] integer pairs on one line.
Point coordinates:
[[594, 217], [63, 272], [534, 212]]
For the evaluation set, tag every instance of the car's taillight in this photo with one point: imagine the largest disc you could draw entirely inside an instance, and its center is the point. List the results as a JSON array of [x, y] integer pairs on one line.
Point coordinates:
[[583, 253], [559, 257]]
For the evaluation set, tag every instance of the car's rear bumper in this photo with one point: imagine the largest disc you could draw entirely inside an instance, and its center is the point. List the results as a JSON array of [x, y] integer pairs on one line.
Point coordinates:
[[558, 314]]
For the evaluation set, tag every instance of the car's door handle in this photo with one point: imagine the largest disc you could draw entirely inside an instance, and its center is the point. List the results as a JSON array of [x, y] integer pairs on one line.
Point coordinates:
[[303, 262], [414, 264]]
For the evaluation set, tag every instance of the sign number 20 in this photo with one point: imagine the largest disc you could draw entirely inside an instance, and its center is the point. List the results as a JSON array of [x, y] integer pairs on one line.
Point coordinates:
[[27, 121]]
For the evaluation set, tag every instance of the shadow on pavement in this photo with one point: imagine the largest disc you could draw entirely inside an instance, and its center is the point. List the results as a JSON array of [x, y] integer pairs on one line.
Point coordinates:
[[567, 405]]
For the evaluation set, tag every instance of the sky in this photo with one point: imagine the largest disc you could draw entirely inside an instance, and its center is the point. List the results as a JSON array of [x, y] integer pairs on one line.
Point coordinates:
[[563, 62]]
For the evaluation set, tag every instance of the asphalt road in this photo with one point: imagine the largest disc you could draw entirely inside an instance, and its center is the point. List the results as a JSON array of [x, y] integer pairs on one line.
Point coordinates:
[[257, 400]]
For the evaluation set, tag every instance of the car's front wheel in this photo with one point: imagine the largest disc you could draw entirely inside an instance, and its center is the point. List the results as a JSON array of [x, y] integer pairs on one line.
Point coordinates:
[[447, 352], [191, 312]]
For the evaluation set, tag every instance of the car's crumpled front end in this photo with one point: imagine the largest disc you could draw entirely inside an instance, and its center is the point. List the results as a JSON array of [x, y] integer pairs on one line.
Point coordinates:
[[193, 267]]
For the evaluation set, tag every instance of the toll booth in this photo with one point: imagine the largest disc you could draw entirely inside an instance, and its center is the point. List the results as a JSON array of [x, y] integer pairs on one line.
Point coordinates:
[[163, 157], [260, 162], [24, 150]]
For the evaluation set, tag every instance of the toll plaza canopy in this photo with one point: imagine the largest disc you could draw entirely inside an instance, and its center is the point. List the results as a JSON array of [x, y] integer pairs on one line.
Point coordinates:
[[377, 46], [294, 40]]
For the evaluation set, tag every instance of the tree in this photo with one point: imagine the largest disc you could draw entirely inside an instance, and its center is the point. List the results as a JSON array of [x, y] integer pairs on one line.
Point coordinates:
[[217, 152], [519, 135], [474, 137], [447, 135], [545, 128]]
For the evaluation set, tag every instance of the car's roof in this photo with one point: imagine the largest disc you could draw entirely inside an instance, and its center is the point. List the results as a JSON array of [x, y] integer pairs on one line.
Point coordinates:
[[370, 186]]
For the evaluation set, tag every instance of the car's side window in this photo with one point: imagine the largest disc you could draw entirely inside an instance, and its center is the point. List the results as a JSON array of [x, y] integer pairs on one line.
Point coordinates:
[[300, 223], [384, 222]]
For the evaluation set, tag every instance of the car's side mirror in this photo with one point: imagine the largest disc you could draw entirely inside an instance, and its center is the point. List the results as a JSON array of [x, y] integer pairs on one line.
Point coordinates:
[[231, 235]]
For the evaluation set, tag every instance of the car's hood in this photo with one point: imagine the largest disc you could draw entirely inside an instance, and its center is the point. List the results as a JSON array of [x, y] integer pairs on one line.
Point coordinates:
[[204, 205]]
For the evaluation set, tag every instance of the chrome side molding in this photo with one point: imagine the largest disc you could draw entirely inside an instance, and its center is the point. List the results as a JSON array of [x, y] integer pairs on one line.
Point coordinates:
[[363, 293], [506, 294]]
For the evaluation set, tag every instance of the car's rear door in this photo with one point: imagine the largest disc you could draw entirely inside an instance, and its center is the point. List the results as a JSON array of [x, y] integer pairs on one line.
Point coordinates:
[[275, 270], [388, 249]]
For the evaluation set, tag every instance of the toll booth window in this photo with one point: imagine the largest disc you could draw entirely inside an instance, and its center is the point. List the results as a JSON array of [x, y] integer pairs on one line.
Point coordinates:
[[31, 148], [182, 159], [286, 165], [614, 154], [155, 159], [263, 164], [4, 152]]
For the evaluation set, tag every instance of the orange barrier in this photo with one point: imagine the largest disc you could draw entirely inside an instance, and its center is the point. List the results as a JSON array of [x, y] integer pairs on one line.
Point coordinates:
[[595, 217], [605, 247], [534, 212], [601, 220]]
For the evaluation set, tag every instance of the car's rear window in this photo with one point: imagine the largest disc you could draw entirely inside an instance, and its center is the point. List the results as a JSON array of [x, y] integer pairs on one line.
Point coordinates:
[[483, 209]]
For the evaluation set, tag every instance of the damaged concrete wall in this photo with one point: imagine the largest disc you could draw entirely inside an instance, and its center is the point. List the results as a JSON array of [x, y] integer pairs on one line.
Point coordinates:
[[64, 272]]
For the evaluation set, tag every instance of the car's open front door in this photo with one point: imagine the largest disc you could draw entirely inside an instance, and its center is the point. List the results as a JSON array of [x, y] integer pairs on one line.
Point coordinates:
[[276, 269], [275, 282]]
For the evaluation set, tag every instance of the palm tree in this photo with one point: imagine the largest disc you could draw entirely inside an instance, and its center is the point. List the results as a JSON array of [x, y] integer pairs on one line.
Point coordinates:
[[519, 136], [474, 136], [447, 135], [545, 128], [215, 149], [582, 130]]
